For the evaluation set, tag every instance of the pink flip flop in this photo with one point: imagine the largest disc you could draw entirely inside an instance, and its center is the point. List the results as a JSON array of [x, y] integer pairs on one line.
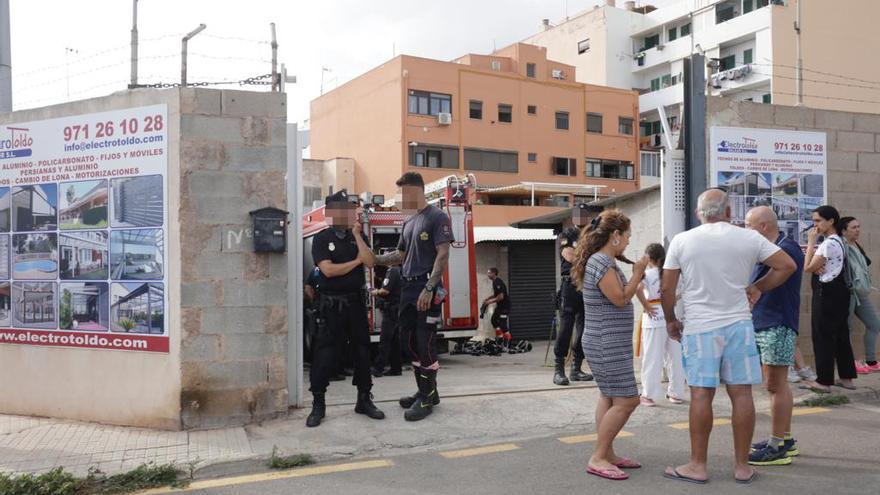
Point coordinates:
[[608, 474], [627, 463]]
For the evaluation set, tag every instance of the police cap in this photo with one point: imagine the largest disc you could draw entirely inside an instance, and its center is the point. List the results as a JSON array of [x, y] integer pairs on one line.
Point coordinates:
[[338, 199]]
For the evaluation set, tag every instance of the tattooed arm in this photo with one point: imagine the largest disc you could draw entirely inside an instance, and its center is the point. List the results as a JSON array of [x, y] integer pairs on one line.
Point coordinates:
[[424, 302]]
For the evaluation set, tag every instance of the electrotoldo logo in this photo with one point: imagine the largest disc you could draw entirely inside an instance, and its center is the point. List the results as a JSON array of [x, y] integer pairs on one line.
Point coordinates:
[[15, 142], [745, 145]]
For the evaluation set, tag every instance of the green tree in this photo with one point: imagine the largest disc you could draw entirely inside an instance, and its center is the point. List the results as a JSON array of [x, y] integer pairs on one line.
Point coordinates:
[[66, 310]]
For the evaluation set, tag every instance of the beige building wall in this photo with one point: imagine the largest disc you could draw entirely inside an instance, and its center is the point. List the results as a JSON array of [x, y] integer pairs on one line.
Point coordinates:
[[837, 38]]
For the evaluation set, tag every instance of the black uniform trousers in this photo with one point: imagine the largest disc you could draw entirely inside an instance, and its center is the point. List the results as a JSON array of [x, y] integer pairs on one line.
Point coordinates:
[[389, 341], [342, 322], [418, 329], [500, 318], [571, 305], [830, 325]]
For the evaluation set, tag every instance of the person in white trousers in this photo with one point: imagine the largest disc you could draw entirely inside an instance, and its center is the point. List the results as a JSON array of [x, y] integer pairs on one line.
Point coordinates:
[[657, 349]]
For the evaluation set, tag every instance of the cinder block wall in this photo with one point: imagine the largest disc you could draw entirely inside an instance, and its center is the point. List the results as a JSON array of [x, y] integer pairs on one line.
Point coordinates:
[[233, 301], [853, 176]]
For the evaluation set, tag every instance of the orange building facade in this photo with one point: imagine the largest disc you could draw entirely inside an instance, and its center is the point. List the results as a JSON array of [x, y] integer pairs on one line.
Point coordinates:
[[535, 139]]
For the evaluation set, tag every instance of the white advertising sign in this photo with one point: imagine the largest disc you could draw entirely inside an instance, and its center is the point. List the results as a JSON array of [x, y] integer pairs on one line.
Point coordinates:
[[786, 170], [83, 224]]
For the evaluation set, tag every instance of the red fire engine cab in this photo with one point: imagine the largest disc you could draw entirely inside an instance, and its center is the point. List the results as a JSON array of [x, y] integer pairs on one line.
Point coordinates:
[[383, 224]]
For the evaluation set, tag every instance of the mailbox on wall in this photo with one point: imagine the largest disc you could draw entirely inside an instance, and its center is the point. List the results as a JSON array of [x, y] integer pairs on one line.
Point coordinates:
[[270, 230]]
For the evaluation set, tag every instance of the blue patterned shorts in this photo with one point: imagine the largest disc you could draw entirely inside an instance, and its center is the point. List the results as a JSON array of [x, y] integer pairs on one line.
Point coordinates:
[[776, 345], [725, 355]]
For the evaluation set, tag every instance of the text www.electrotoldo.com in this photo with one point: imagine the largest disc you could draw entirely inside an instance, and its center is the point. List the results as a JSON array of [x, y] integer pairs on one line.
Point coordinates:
[[76, 340], [112, 143]]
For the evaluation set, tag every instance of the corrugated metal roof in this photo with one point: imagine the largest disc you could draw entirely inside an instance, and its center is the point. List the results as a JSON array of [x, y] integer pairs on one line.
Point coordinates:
[[488, 234]]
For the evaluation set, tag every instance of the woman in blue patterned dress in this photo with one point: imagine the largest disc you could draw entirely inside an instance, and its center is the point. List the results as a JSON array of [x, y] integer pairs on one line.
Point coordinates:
[[608, 329]]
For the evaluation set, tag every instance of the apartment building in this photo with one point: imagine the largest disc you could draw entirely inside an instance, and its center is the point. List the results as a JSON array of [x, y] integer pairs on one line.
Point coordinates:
[[751, 45], [531, 134]]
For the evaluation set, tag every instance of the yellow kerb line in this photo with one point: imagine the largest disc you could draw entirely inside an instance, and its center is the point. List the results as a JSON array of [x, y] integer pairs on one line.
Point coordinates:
[[254, 478], [592, 437], [800, 411], [492, 449], [686, 425]]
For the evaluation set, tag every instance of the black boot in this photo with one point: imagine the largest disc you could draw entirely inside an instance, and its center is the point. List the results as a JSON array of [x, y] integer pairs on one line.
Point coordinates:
[[559, 377], [407, 402], [365, 406], [423, 406], [318, 409], [577, 375]]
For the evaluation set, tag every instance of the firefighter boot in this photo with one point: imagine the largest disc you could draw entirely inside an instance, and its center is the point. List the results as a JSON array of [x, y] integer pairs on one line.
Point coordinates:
[[559, 377], [577, 375], [318, 408], [425, 399], [365, 405], [407, 402]]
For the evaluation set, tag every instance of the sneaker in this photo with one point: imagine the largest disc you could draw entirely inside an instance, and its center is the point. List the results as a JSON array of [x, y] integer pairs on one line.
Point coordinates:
[[790, 445], [874, 368], [793, 376], [862, 368], [646, 402], [808, 374], [673, 399], [770, 456]]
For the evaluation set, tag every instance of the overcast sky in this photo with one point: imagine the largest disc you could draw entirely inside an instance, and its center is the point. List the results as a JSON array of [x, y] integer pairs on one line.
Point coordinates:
[[348, 37]]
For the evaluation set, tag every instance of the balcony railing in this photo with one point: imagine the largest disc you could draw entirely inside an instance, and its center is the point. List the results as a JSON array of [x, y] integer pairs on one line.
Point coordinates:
[[735, 74]]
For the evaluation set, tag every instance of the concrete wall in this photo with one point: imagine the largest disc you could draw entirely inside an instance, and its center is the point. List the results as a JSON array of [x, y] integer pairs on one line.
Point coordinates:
[[853, 174], [234, 301]]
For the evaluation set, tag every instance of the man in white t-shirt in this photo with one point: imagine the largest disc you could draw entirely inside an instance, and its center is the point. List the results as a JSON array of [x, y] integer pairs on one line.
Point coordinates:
[[714, 263]]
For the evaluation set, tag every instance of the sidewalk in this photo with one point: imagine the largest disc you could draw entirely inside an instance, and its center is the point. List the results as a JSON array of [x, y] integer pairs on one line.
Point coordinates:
[[513, 400]]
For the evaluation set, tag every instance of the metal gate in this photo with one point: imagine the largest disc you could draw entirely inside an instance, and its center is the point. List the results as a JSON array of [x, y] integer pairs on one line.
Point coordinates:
[[531, 286]]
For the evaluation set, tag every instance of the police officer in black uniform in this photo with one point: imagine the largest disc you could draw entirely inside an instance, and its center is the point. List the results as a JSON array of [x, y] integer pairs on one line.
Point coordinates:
[[341, 309], [424, 252], [501, 299], [571, 303], [388, 298]]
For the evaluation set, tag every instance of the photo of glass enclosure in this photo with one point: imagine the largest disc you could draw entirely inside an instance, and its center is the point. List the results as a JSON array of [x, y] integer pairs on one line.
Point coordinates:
[[137, 254], [33, 305], [35, 207], [35, 256], [4, 209], [84, 256], [137, 201], [5, 305], [84, 306], [137, 308], [83, 205], [4, 256]]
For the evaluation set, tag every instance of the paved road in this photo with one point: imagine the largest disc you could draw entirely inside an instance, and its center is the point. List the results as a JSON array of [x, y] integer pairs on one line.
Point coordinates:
[[839, 456]]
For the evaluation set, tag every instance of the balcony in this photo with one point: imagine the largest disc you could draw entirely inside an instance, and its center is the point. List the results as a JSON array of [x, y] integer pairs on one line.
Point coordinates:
[[652, 57], [738, 78], [670, 95]]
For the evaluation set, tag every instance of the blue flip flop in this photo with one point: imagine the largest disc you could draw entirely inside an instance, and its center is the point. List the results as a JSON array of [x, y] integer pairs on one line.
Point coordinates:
[[675, 475]]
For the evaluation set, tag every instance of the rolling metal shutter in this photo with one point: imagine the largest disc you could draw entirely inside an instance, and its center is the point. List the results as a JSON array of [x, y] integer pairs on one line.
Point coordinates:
[[531, 286]]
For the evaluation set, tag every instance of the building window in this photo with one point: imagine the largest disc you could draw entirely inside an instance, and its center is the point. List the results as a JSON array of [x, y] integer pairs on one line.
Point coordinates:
[[311, 194], [725, 12], [594, 122], [530, 70], [476, 109], [491, 160], [564, 166], [496, 65], [666, 81], [748, 6], [533, 109], [424, 103], [748, 56], [685, 30], [655, 84], [625, 126], [433, 156], [505, 113], [650, 128], [610, 169], [583, 46], [766, 98], [649, 164], [419, 159], [533, 157], [673, 33], [562, 120], [727, 62], [651, 41]]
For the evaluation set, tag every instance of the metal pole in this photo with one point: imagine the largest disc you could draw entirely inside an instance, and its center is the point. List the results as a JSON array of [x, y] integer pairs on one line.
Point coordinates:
[[285, 78], [184, 41], [134, 45], [5, 59], [68, 51], [800, 60], [276, 84]]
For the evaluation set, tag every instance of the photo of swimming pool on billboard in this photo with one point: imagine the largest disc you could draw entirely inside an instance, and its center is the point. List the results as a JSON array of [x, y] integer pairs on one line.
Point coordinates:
[[35, 256]]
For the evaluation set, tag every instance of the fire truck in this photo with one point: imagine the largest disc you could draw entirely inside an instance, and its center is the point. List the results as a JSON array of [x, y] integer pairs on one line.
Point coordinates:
[[383, 223]]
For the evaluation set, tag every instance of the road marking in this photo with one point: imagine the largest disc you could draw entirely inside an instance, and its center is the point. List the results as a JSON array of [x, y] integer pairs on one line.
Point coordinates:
[[800, 411], [492, 449], [592, 437], [686, 425], [253, 478]]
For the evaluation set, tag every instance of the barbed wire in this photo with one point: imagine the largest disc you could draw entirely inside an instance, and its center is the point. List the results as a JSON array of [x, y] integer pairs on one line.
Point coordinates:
[[250, 81], [234, 38]]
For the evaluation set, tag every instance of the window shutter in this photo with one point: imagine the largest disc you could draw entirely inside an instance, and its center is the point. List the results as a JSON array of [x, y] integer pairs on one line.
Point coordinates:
[[572, 167]]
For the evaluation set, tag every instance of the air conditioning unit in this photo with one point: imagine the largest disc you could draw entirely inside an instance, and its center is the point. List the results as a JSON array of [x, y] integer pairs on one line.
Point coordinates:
[[444, 118], [558, 74]]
